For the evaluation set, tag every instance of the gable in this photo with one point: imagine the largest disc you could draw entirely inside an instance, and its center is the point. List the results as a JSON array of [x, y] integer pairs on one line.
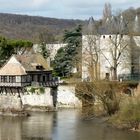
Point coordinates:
[[12, 67], [13, 60]]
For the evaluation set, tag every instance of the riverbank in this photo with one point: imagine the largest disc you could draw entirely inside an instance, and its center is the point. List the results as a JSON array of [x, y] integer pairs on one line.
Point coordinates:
[[14, 113], [112, 99], [62, 125], [40, 102]]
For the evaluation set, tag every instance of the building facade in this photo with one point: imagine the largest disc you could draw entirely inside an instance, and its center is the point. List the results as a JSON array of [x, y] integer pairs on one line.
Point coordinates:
[[26, 70], [99, 52]]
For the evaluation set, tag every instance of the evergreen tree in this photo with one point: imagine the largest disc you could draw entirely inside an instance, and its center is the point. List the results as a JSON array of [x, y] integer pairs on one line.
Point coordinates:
[[61, 64], [68, 58], [45, 37], [44, 50], [9, 47]]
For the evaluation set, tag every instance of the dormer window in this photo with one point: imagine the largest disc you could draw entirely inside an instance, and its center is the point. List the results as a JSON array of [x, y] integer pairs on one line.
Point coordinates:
[[39, 67]]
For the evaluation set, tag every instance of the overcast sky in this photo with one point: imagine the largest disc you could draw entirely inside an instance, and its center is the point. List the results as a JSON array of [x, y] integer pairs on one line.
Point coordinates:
[[70, 9]]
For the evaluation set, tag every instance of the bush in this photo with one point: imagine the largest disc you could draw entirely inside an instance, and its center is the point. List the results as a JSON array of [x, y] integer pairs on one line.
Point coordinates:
[[85, 92], [42, 90], [129, 113], [109, 95], [104, 91], [36, 90]]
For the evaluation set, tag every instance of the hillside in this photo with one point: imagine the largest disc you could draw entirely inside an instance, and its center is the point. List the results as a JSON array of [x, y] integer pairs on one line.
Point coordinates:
[[29, 27]]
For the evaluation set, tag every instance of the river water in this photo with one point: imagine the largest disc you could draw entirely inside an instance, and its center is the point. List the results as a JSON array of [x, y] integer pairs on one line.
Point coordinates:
[[61, 125]]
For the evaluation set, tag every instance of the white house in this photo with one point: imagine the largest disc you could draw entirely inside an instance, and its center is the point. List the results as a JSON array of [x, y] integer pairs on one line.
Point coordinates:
[[102, 48]]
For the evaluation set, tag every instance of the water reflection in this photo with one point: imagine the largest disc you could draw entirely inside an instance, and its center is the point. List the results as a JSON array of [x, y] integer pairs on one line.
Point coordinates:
[[38, 127], [54, 128], [10, 128], [62, 125]]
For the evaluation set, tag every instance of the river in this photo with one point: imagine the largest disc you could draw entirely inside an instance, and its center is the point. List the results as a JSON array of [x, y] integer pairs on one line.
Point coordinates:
[[61, 125]]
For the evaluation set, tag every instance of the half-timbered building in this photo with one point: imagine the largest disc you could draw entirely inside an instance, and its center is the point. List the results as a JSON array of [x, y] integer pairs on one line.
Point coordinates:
[[26, 70]]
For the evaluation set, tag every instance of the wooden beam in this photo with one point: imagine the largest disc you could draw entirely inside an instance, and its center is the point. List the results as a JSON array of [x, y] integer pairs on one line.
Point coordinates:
[[0, 90], [5, 90], [11, 90]]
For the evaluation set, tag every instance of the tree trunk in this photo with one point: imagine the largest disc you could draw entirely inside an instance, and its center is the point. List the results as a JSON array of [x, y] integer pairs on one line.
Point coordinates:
[[96, 71], [114, 73], [87, 108]]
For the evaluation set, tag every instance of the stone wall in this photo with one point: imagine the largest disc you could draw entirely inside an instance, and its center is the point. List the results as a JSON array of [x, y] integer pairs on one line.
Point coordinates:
[[8, 102], [65, 98], [38, 99]]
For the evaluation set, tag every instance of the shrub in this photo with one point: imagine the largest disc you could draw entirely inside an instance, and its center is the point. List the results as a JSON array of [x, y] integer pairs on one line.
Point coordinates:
[[32, 90], [104, 91], [129, 113], [109, 95], [36, 90], [42, 90]]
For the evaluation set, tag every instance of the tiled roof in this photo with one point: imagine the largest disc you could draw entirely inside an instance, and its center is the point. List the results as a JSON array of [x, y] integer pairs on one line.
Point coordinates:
[[30, 61], [12, 69], [20, 64]]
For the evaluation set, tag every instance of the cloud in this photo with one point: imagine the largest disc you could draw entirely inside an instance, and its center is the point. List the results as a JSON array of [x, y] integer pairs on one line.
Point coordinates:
[[38, 3], [22, 4], [64, 8]]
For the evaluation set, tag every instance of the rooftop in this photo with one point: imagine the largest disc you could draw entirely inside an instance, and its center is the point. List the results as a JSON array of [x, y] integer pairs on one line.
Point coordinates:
[[20, 64]]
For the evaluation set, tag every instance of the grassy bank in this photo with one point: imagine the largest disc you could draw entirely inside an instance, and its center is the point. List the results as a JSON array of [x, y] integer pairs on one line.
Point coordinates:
[[120, 102]]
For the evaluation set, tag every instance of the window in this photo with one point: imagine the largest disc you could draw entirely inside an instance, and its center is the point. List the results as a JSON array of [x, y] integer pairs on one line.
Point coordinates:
[[38, 78], [32, 78], [4, 79], [12, 79], [39, 67], [107, 76], [44, 78], [29, 78], [18, 79]]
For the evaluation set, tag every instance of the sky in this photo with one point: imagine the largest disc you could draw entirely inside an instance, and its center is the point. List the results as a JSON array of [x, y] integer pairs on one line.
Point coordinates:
[[66, 9]]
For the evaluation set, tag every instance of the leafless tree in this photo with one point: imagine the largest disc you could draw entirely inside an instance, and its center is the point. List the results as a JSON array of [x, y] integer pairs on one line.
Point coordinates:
[[91, 49], [118, 43], [107, 12], [91, 56]]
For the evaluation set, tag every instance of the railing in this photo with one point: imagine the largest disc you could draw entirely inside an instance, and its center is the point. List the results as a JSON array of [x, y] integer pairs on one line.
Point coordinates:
[[129, 77], [52, 83], [46, 84], [18, 84]]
